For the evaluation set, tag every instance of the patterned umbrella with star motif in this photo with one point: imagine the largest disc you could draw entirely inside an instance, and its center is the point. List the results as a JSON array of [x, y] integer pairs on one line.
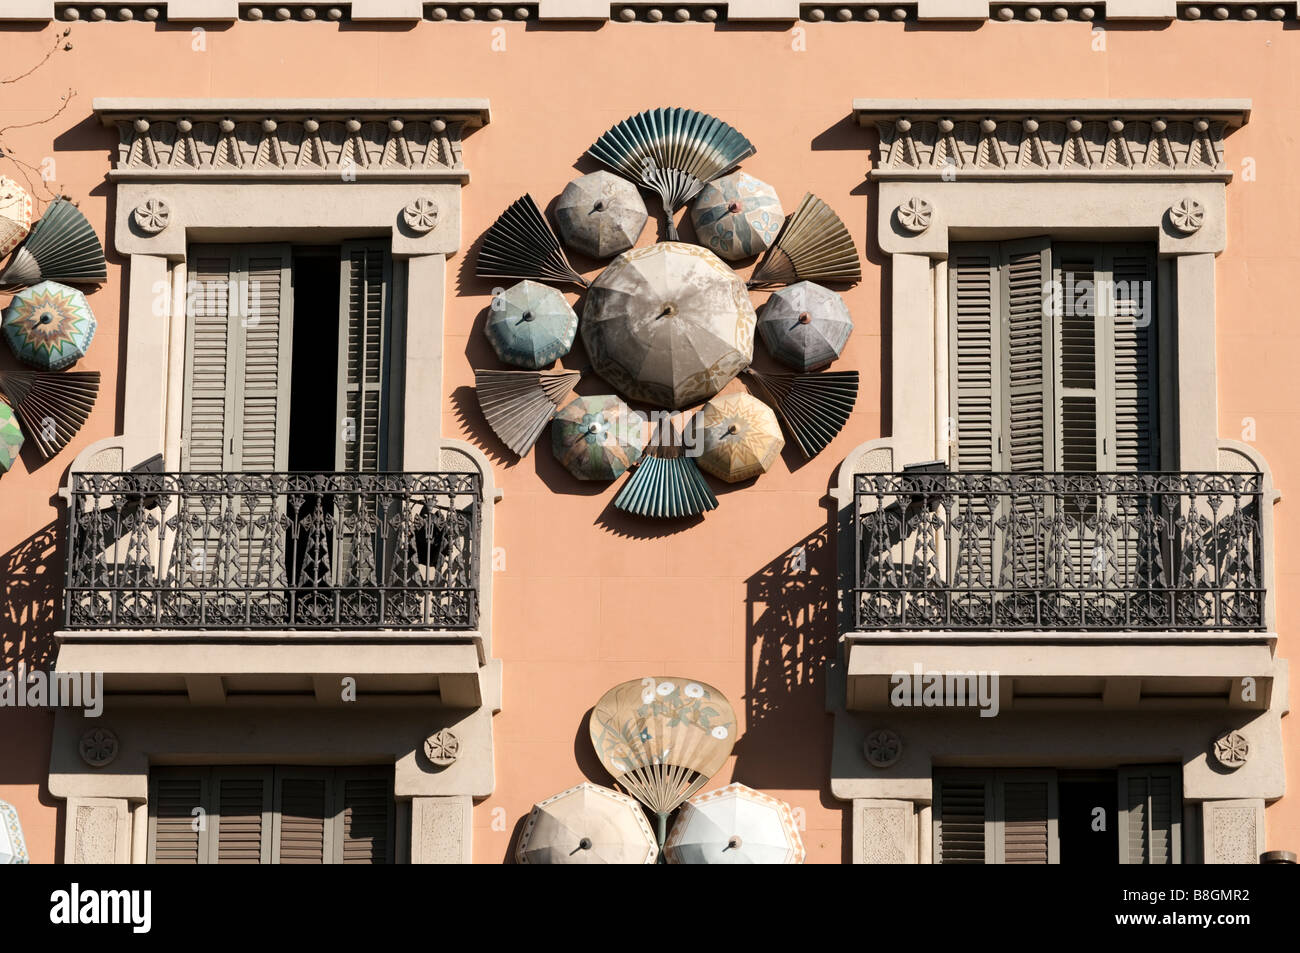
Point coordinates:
[[49, 325]]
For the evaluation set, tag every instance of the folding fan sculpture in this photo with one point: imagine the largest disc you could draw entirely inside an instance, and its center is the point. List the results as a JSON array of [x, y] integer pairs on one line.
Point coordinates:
[[672, 151], [667, 483], [51, 406], [814, 245], [813, 407], [520, 244], [62, 246], [519, 404], [662, 739]]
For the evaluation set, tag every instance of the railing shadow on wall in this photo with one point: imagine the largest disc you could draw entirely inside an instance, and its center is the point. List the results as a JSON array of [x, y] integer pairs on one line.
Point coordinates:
[[32, 576]]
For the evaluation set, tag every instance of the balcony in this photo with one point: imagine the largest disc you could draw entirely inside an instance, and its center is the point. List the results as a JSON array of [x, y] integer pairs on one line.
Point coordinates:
[[1096, 552], [213, 552]]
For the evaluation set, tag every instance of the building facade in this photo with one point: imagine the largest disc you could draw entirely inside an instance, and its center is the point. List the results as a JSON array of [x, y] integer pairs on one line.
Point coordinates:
[[1042, 571]]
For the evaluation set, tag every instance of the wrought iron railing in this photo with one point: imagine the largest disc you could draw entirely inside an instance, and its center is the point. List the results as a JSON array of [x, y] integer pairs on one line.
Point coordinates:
[[1086, 551], [273, 551]]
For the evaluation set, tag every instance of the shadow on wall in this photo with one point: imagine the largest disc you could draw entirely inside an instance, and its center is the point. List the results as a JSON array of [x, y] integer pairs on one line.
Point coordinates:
[[32, 576], [791, 635]]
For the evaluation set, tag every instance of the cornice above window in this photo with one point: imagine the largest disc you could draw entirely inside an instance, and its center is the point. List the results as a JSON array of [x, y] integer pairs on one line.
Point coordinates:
[[407, 140], [1085, 139]]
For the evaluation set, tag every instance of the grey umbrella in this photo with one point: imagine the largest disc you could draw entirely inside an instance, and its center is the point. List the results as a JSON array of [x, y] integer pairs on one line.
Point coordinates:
[[669, 324], [600, 214], [805, 325]]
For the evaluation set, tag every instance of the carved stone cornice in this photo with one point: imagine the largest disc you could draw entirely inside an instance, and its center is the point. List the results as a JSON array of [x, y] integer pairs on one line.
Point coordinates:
[[406, 140], [1133, 140]]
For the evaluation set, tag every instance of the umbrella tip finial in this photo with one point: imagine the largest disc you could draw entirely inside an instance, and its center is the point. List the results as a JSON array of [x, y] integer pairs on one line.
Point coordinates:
[[804, 317], [527, 316], [733, 207], [599, 206], [734, 842], [585, 843], [733, 429]]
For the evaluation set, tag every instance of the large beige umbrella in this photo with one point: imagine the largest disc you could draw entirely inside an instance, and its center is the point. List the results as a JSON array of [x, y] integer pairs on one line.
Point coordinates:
[[738, 437], [669, 324], [734, 825], [15, 215], [587, 824]]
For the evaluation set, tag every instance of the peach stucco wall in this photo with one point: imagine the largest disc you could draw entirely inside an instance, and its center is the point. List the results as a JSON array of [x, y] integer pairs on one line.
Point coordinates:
[[587, 597]]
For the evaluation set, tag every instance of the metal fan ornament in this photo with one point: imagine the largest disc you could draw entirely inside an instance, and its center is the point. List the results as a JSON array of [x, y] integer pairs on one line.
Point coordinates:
[[737, 216], [62, 246], [813, 407], [51, 406], [805, 325], [531, 325], [15, 215], [662, 739], [587, 824], [738, 437], [600, 214], [519, 404], [520, 244], [734, 825], [673, 152], [11, 437], [814, 245], [666, 484], [49, 325], [597, 438]]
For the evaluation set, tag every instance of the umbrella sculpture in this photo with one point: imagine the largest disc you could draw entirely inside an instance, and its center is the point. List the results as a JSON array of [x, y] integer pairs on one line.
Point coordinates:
[[662, 739], [600, 214], [669, 324], [739, 437], [15, 215], [805, 325], [587, 824], [597, 438], [734, 825], [737, 216], [49, 325], [11, 437], [531, 325]]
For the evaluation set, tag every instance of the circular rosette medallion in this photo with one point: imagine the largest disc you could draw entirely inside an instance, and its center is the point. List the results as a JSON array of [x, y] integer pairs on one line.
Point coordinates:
[[737, 216], [669, 324], [597, 438]]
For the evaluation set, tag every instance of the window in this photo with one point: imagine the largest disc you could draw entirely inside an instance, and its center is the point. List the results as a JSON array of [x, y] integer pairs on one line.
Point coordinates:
[[1053, 356], [290, 359], [1033, 816], [271, 815]]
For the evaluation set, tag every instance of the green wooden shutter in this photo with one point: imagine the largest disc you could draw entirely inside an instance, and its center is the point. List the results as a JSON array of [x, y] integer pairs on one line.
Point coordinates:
[[304, 816], [963, 818], [238, 359], [363, 831], [1150, 815], [177, 834], [241, 820], [1026, 821], [1133, 420], [1026, 354], [974, 310], [365, 314]]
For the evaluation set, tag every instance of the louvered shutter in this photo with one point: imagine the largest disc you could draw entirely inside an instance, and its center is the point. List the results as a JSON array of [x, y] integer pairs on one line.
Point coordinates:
[[364, 827], [1026, 324], [1080, 313], [304, 825], [209, 347], [239, 351], [1150, 815], [973, 283], [365, 303], [1133, 418], [1026, 831], [963, 819], [241, 821], [178, 821]]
